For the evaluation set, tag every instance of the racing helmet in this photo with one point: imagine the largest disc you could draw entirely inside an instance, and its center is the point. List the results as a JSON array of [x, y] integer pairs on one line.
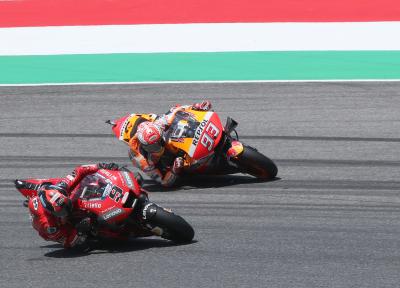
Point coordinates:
[[150, 135], [54, 201]]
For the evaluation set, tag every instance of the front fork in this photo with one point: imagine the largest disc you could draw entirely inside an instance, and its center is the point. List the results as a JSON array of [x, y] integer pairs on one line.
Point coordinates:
[[149, 212]]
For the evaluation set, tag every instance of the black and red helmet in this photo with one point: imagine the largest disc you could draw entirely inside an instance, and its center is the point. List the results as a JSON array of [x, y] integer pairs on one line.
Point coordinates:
[[54, 201]]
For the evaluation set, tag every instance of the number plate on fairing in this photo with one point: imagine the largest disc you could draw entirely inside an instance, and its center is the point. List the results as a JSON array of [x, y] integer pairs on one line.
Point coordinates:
[[206, 136]]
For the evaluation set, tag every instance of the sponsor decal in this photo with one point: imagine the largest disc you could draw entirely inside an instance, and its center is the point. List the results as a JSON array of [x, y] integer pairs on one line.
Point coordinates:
[[113, 213], [109, 174], [95, 205], [102, 176], [145, 210], [107, 209], [128, 179], [199, 131], [128, 127], [123, 127], [35, 203], [198, 134]]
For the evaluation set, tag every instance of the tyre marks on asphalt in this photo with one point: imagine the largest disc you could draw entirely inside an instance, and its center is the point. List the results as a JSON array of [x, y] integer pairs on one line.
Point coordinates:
[[248, 137]]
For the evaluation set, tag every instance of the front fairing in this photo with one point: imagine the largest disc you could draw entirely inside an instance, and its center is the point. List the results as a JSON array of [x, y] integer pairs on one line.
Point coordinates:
[[196, 133], [108, 194]]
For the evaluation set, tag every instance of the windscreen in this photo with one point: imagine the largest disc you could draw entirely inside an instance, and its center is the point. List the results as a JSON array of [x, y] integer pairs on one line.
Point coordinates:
[[183, 126], [92, 186]]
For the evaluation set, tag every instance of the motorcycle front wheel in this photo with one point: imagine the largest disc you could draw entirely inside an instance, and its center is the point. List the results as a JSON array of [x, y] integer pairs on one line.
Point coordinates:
[[252, 162], [173, 226]]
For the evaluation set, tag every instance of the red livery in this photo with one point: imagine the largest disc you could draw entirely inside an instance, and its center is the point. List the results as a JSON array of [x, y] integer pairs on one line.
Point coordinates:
[[115, 204]]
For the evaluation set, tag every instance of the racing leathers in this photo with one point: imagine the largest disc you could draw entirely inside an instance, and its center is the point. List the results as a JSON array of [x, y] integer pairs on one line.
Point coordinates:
[[148, 161], [59, 229]]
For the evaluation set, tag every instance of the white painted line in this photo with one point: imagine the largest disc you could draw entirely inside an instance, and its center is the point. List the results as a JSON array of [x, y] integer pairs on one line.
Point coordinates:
[[196, 82], [222, 37]]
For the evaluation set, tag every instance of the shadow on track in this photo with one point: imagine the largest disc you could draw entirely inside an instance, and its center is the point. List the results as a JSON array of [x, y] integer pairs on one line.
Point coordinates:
[[205, 181], [113, 246]]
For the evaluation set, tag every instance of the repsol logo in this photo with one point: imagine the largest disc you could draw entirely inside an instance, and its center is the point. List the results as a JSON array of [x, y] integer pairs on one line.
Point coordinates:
[[198, 132]]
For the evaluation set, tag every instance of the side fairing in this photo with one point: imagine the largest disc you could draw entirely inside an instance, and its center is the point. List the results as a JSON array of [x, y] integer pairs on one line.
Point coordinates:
[[195, 132], [206, 136]]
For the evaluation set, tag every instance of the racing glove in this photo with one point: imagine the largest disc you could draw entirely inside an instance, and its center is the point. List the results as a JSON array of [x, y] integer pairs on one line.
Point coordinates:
[[203, 106], [108, 166]]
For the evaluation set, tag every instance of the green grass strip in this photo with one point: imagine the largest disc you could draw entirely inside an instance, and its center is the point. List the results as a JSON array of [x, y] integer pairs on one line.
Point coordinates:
[[140, 67]]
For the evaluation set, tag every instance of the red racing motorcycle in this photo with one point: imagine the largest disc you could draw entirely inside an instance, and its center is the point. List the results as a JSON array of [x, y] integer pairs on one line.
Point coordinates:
[[117, 205]]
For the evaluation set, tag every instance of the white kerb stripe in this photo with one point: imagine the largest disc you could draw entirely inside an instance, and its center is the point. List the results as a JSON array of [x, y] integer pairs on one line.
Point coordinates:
[[200, 38], [195, 82]]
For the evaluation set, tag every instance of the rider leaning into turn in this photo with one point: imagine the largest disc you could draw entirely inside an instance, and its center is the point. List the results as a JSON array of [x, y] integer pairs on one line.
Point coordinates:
[[148, 145], [52, 206]]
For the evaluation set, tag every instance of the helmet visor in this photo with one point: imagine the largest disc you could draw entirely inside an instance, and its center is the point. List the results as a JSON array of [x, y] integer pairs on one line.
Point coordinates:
[[153, 148]]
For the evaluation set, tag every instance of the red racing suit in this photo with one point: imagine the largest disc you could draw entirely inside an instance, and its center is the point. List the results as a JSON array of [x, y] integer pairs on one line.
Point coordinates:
[[52, 228], [147, 162]]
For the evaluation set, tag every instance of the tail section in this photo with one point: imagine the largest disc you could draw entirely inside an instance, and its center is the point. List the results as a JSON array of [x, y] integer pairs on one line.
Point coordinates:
[[29, 187]]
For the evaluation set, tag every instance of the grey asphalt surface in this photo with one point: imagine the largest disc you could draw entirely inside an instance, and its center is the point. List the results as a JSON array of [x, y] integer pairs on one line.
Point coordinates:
[[331, 220]]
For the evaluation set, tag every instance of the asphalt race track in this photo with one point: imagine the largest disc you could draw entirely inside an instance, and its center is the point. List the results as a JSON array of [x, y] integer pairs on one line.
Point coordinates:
[[332, 219]]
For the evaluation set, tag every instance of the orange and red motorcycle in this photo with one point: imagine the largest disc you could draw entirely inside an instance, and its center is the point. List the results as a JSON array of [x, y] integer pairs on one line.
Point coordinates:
[[206, 146]]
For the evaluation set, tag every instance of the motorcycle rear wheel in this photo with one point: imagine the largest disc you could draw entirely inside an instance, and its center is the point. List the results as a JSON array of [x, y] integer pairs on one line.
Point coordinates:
[[252, 162], [173, 226]]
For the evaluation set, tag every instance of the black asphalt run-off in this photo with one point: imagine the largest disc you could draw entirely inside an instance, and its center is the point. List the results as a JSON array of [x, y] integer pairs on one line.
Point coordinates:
[[332, 219]]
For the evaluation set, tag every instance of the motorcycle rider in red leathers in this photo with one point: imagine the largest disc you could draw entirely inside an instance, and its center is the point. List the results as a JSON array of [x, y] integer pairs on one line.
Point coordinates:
[[52, 206], [147, 145]]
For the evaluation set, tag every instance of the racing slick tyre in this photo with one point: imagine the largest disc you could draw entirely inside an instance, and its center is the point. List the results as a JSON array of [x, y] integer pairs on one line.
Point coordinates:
[[173, 226], [252, 162]]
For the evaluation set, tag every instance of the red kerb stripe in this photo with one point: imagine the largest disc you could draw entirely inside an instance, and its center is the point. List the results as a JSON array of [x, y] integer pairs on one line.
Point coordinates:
[[107, 12]]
